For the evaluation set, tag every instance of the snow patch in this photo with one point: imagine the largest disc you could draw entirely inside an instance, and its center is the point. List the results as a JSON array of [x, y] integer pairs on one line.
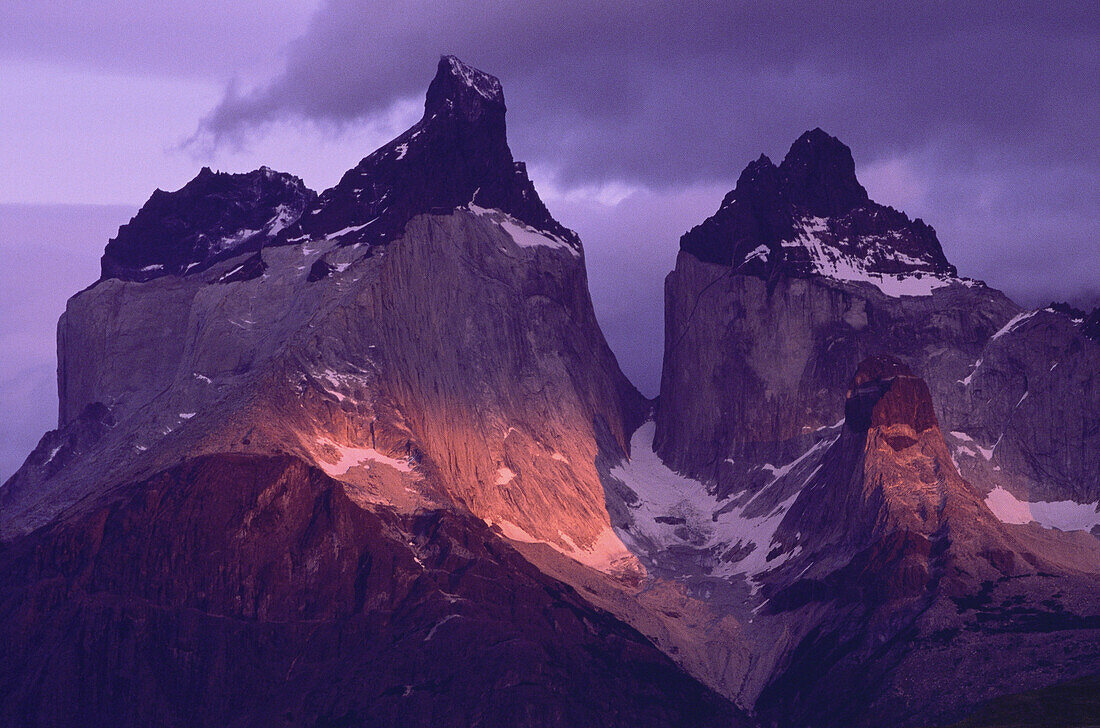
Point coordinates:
[[830, 262], [53, 453], [231, 241], [440, 623], [1062, 515], [283, 217], [522, 234], [350, 457], [682, 502], [966, 382], [1013, 323], [505, 476], [344, 231]]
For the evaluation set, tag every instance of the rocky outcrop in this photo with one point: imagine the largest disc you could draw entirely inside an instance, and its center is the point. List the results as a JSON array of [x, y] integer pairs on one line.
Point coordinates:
[[901, 550], [213, 217], [456, 155], [252, 591]]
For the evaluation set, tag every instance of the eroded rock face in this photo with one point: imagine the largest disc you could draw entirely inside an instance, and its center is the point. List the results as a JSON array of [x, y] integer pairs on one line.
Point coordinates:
[[253, 591]]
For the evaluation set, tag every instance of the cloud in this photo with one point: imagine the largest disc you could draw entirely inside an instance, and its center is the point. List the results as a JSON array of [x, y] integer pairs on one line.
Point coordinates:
[[977, 119], [645, 92], [169, 37]]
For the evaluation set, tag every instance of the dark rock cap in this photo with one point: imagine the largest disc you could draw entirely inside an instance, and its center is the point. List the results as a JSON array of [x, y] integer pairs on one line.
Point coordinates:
[[214, 216], [456, 155], [771, 207], [819, 175]]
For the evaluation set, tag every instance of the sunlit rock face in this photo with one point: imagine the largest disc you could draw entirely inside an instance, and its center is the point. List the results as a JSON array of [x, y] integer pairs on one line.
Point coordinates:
[[455, 360], [890, 564]]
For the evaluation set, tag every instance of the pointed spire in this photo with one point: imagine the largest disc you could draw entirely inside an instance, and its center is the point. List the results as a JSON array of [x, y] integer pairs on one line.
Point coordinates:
[[462, 89], [820, 175]]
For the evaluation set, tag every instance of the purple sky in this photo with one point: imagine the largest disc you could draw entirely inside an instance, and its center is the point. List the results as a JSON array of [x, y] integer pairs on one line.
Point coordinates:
[[635, 118]]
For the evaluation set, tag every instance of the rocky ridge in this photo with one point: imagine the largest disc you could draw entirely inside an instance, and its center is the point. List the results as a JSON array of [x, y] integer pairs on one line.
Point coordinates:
[[213, 217]]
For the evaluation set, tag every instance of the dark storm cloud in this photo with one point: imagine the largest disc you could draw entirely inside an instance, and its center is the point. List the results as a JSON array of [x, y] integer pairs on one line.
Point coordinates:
[[663, 93], [978, 117]]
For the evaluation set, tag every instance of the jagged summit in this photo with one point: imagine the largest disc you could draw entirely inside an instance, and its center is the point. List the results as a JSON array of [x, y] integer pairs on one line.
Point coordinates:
[[214, 216], [810, 216], [453, 83], [456, 156], [819, 175]]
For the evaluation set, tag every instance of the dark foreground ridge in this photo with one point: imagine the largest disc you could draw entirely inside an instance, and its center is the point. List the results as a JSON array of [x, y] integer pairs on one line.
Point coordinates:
[[240, 590]]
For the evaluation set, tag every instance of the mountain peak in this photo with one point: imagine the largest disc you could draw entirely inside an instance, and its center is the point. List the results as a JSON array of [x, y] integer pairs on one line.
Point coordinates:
[[810, 217], [456, 155], [214, 216], [465, 87], [820, 175]]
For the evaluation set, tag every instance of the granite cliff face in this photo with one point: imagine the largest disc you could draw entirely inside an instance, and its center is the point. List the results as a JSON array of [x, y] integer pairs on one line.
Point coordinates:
[[454, 361]]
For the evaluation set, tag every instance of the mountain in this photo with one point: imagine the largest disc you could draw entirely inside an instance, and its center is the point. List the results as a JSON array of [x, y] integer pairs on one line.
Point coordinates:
[[453, 367], [798, 277], [364, 457], [461, 367], [457, 155], [829, 511], [810, 215]]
